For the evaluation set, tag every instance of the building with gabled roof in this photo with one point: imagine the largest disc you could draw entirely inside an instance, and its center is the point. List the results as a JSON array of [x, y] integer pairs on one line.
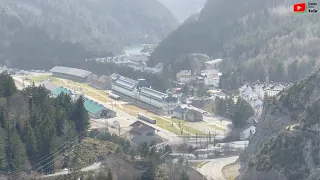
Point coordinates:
[[213, 64], [141, 128], [48, 85], [97, 110], [184, 76], [60, 90], [140, 93], [70, 73]]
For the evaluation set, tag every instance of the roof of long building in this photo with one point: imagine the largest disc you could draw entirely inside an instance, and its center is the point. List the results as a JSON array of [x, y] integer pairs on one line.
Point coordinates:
[[125, 82], [144, 87], [60, 90], [152, 93], [93, 107], [71, 71], [49, 85]]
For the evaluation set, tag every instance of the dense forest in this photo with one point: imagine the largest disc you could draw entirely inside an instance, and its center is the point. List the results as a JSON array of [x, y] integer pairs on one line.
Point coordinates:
[[35, 128], [238, 112], [256, 39]]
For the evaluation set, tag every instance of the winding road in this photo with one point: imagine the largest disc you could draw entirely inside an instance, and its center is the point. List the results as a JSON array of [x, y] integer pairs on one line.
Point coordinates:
[[213, 169]]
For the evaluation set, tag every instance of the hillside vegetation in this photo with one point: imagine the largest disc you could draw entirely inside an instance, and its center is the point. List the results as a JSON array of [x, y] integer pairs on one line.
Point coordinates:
[[99, 25], [286, 143], [35, 128], [182, 9], [252, 36]]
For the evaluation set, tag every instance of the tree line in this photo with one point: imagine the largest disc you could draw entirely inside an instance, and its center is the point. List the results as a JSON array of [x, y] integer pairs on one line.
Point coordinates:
[[36, 128], [234, 78], [239, 111]]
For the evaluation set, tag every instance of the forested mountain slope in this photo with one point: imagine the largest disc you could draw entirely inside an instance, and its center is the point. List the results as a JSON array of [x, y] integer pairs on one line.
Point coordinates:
[[246, 34], [286, 143], [99, 25], [182, 9], [35, 129]]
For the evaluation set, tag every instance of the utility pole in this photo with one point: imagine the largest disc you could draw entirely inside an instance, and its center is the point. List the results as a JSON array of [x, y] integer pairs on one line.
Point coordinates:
[[196, 138], [170, 167], [207, 146]]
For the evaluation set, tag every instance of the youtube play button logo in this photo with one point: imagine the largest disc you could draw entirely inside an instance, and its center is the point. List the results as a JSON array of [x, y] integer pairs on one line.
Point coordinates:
[[299, 8]]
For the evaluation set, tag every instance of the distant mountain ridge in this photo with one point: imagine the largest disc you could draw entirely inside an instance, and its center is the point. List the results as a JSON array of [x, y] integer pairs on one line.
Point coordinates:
[[182, 9], [99, 25]]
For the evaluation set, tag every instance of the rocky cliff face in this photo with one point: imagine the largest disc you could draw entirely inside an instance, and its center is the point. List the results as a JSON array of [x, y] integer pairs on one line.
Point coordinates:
[[99, 25], [286, 143]]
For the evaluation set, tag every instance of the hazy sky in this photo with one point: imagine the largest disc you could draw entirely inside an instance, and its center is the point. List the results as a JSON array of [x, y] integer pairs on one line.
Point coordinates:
[[182, 9]]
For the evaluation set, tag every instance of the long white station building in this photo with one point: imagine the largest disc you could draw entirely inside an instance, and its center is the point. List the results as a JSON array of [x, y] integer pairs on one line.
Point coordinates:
[[140, 93]]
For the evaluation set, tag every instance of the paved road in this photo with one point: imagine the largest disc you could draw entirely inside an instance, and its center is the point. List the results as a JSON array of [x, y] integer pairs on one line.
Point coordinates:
[[88, 168], [213, 169]]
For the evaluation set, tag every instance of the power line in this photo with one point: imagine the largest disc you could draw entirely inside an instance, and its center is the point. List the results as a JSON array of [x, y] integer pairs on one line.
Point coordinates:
[[50, 156]]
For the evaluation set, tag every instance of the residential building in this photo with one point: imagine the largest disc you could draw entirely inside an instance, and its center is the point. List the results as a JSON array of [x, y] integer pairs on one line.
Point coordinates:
[[184, 76], [213, 64], [188, 113], [271, 89], [209, 71], [193, 114], [212, 80], [247, 93], [70, 73], [141, 132], [247, 132], [179, 112], [140, 93], [217, 93], [141, 129]]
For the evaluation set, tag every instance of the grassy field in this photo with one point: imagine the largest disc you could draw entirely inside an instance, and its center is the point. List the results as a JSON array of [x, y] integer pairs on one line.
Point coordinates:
[[183, 125], [164, 123], [217, 127], [86, 89]]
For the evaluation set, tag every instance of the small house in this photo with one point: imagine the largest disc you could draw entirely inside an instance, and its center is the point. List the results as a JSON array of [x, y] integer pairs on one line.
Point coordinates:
[[247, 132]]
